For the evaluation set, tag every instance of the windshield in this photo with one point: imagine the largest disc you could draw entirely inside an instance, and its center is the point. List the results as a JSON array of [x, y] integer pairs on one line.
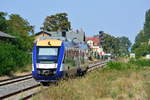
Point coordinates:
[[43, 51]]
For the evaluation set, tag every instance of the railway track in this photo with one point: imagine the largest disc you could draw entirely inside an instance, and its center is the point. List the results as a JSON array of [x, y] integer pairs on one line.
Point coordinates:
[[14, 89], [97, 65], [22, 94], [16, 79], [25, 87]]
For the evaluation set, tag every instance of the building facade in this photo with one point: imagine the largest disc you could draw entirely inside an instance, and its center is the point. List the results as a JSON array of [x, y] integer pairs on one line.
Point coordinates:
[[94, 45], [77, 36]]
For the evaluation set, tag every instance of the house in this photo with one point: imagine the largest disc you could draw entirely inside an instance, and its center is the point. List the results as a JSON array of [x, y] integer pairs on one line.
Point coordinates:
[[4, 36], [41, 34], [93, 41], [77, 36], [94, 45]]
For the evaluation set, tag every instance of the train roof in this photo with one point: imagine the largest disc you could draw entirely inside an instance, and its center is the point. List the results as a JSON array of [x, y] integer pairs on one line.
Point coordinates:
[[82, 46], [49, 42], [67, 43]]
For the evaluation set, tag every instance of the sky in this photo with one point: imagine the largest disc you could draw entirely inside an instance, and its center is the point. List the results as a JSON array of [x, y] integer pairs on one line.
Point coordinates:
[[115, 17]]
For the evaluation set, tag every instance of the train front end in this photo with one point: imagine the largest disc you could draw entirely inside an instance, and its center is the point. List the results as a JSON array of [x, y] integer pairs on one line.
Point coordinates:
[[47, 60]]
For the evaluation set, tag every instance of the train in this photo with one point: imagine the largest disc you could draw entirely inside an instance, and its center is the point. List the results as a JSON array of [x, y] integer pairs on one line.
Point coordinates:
[[48, 58]]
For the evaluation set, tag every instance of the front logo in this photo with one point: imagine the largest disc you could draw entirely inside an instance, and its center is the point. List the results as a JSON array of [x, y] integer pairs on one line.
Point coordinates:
[[49, 43]]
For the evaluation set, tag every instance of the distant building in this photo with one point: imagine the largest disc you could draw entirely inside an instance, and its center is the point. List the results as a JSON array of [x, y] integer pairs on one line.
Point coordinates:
[[93, 41], [94, 45], [75, 36], [4, 36]]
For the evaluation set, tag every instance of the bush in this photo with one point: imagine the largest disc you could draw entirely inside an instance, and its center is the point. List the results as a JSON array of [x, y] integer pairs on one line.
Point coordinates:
[[11, 58], [132, 64], [140, 62], [118, 65], [7, 61]]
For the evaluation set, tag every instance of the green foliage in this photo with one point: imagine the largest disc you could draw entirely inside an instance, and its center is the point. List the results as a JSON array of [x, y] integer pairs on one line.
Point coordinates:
[[140, 37], [57, 22], [141, 49], [118, 46], [11, 58], [140, 62], [107, 43], [124, 45], [147, 25], [141, 46], [118, 65], [14, 53], [6, 58], [18, 26], [3, 22], [132, 64], [24, 43]]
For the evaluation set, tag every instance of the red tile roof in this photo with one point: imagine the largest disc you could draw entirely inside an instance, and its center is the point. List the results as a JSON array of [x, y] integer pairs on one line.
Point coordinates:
[[94, 39]]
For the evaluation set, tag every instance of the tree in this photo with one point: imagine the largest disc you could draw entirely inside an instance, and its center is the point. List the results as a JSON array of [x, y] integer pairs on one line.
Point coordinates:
[[140, 37], [18, 26], [141, 46], [57, 22], [142, 50], [3, 22], [118, 46], [124, 45], [21, 28], [15, 53], [147, 25], [108, 43]]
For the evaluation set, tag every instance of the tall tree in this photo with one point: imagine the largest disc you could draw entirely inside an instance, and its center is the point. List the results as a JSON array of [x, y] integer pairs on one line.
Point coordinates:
[[141, 46], [147, 25], [57, 22], [140, 37]]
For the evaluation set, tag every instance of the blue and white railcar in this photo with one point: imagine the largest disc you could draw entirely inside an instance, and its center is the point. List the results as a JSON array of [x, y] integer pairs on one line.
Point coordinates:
[[47, 60]]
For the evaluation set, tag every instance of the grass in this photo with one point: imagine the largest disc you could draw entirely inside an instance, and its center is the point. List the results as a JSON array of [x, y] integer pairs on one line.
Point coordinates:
[[125, 82], [25, 69], [19, 71]]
